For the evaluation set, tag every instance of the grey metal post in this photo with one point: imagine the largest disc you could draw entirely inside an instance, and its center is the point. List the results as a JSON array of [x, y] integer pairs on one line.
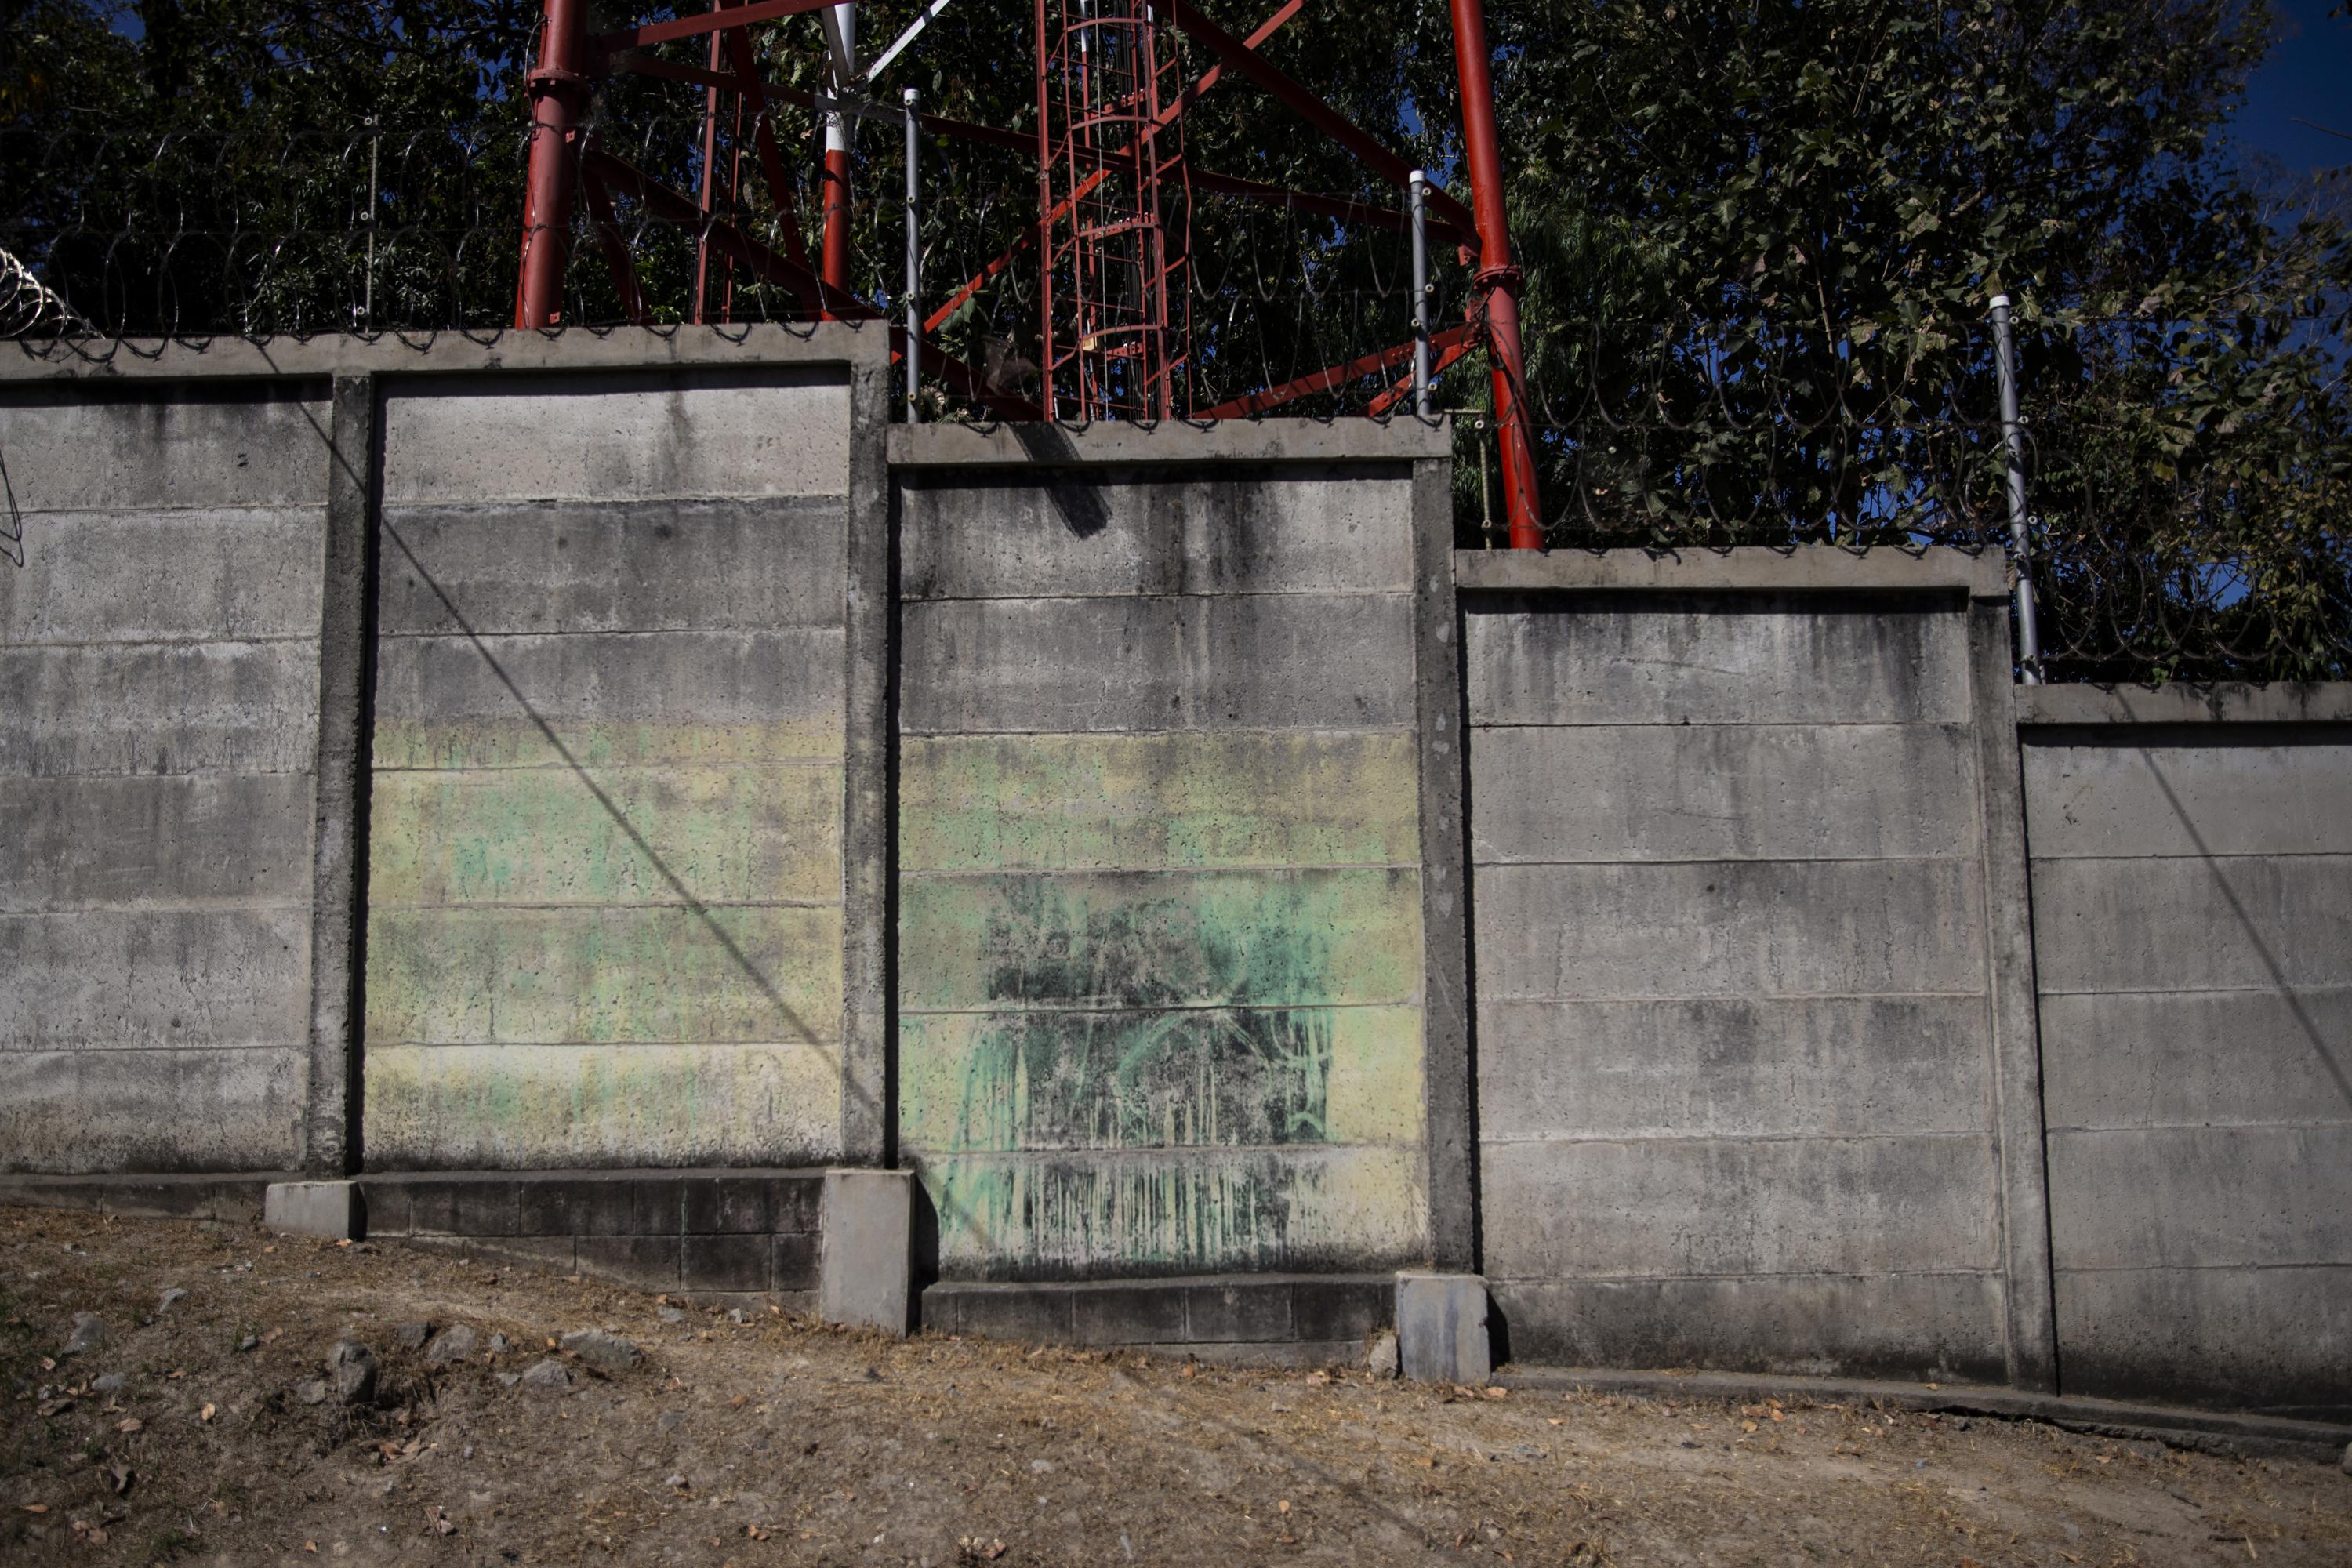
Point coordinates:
[[914, 273], [2029, 629], [1420, 186]]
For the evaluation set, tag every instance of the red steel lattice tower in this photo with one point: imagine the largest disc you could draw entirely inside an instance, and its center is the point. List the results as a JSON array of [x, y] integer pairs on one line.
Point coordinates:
[[1110, 164]]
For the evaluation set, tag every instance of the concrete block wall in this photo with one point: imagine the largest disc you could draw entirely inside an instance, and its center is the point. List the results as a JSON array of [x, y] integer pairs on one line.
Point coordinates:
[[1738, 1077], [159, 668], [1161, 962], [2192, 902], [605, 868]]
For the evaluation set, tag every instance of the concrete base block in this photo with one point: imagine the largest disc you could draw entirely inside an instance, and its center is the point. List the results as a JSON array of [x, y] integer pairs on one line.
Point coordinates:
[[1441, 1321], [865, 1272], [330, 1209]]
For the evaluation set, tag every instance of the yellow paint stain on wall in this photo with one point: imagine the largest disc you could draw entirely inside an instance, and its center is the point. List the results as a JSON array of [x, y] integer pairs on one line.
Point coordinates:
[[518, 742], [482, 974], [1218, 798], [610, 836], [520, 1107]]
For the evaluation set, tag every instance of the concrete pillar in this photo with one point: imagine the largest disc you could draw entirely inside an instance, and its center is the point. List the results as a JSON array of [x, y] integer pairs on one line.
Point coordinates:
[[1442, 1328], [867, 1275], [327, 1209]]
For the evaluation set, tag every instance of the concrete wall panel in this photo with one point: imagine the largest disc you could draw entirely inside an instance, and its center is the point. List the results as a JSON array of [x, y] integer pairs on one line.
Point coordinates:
[[616, 436], [2265, 1338], [2287, 793], [590, 1106], [1220, 799], [76, 1113], [1645, 1208], [450, 702], [102, 978], [165, 576], [251, 445], [1718, 792], [1754, 658], [2202, 1197], [1169, 1078], [2186, 1058], [1773, 928], [1942, 1327], [491, 973], [574, 566], [1732, 1067], [176, 839], [730, 833], [1027, 665], [1138, 939], [1177, 1211], [2192, 889], [2246, 922], [1286, 531], [159, 709]]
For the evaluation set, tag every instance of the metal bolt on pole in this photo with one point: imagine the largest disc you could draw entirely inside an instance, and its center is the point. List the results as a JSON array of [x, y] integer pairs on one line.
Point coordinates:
[[2029, 629], [914, 273], [1420, 186]]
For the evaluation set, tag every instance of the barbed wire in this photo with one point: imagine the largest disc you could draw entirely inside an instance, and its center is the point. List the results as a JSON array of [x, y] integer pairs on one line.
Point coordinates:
[[2153, 558]]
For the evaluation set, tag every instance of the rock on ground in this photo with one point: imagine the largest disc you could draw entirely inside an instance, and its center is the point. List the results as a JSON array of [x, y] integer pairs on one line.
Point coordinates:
[[606, 1352]]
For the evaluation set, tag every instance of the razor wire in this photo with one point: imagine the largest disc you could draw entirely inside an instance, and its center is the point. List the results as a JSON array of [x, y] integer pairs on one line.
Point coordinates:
[[2151, 562]]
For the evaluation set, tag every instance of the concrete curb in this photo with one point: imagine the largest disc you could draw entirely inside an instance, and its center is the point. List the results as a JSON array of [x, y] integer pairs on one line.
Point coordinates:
[[2201, 1431]]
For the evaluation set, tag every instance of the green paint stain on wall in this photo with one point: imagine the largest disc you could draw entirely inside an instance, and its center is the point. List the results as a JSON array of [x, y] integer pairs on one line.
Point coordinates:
[[1177, 1212], [1262, 939], [726, 834], [987, 803], [541, 1107]]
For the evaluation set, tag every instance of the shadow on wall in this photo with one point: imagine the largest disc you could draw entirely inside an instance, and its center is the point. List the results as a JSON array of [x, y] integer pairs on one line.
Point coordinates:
[[2244, 917]]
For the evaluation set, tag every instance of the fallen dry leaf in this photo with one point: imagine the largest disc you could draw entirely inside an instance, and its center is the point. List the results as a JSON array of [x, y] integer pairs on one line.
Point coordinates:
[[36, 1507], [130, 1424], [208, 1413]]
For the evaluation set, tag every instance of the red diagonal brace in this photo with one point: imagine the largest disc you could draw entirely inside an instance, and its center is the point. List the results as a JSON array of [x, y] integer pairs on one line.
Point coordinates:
[[1336, 375], [1438, 360], [1192, 95], [654, 33], [772, 159], [672, 207], [1313, 109]]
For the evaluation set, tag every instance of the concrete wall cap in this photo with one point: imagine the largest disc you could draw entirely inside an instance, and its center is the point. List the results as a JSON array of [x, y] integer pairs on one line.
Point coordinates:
[[1750, 569], [2231, 702], [1399, 439], [439, 354]]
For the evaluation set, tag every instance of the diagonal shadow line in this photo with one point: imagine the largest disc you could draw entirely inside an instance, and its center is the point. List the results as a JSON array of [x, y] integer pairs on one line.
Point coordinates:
[[676, 885], [2270, 960]]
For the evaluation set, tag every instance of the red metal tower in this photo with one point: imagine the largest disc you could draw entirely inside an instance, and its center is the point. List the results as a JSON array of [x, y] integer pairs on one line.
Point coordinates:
[[1110, 167], [1117, 313]]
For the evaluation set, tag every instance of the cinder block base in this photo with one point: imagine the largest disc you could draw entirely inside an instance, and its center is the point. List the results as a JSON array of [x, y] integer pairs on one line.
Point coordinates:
[[330, 1209], [1442, 1334], [867, 1273]]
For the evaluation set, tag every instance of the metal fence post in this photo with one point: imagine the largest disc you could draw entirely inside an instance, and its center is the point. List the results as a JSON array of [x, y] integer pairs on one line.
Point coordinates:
[[1420, 185], [914, 273], [2029, 629]]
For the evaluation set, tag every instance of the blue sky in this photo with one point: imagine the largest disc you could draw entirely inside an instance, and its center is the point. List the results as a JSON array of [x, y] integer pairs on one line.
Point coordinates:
[[2308, 76]]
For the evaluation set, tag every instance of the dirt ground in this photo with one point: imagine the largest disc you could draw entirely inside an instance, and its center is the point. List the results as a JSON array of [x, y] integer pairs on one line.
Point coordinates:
[[771, 1441]]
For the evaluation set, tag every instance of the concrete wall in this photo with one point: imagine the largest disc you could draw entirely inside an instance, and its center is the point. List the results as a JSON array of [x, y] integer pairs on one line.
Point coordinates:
[[2192, 896], [605, 870], [1736, 1063], [1161, 959], [159, 650]]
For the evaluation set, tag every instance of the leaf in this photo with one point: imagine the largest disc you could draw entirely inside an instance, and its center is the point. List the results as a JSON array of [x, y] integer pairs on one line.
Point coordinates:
[[130, 1424], [206, 1413]]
